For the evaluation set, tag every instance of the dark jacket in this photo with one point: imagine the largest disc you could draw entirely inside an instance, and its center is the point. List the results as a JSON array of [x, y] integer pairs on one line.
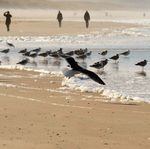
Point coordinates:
[[86, 16], [8, 17], [59, 16]]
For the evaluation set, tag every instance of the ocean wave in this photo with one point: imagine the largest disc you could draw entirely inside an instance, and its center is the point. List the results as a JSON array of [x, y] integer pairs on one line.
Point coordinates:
[[109, 38], [86, 85]]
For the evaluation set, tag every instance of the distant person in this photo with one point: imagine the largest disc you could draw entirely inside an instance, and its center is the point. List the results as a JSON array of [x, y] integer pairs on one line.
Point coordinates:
[[59, 18], [8, 19], [87, 18]]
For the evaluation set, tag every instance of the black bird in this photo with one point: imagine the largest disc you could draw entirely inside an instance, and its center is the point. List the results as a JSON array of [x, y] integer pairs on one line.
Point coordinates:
[[5, 51], [82, 56], [36, 50], [57, 53], [103, 53], [115, 57], [10, 44], [33, 55], [89, 53], [44, 54], [75, 67], [142, 64], [70, 53], [23, 51], [99, 65], [126, 53], [26, 53], [23, 62], [81, 51]]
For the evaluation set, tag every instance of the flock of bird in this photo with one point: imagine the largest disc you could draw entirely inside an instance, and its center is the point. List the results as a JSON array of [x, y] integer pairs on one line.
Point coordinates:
[[70, 58]]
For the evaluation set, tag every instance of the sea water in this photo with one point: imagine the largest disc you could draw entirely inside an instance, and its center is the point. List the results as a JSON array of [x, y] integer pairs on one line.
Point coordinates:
[[124, 81]]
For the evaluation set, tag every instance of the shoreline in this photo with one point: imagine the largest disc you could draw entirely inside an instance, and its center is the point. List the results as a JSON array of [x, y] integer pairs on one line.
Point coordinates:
[[102, 92], [36, 113]]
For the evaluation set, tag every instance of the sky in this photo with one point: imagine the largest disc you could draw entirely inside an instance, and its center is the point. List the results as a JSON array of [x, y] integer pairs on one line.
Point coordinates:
[[78, 4]]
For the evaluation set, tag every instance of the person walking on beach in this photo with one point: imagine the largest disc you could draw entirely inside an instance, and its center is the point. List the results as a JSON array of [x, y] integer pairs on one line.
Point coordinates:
[[59, 18], [87, 18], [8, 19]]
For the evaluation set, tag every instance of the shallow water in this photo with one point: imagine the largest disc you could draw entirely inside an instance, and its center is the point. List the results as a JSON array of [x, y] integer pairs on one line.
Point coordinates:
[[124, 80]]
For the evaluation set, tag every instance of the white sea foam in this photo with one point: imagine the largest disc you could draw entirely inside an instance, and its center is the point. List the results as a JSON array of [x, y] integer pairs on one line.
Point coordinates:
[[105, 38], [87, 85]]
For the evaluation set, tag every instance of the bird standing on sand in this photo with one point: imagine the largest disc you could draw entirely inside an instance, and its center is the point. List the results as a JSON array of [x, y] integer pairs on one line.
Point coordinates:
[[142, 64], [115, 57], [75, 67]]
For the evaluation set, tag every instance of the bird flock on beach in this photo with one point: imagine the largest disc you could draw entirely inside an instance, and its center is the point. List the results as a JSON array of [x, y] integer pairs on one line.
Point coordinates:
[[71, 58]]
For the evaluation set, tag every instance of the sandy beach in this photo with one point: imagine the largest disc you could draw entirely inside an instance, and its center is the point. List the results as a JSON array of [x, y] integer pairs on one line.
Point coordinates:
[[36, 112], [48, 28]]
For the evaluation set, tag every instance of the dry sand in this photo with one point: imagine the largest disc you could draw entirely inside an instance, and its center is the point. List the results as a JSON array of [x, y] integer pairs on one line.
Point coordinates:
[[35, 113]]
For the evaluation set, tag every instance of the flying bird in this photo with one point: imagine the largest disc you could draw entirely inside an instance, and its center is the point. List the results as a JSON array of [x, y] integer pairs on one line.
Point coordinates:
[[75, 67]]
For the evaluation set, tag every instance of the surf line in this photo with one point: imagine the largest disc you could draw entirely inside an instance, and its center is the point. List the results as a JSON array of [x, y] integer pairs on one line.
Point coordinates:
[[36, 100]]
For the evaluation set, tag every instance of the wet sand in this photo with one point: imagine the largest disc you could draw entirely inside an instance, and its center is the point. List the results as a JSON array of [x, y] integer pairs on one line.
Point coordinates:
[[48, 28], [36, 112]]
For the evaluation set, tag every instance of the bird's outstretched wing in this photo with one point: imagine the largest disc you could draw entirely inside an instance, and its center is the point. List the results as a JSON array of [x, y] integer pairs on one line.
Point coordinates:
[[74, 65], [93, 76]]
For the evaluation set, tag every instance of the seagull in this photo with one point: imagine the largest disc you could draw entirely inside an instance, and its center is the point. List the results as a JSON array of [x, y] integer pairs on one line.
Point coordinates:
[[23, 62], [142, 64], [44, 54], [10, 44], [99, 65], [89, 53], [33, 55], [115, 57], [75, 67], [126, 53], [36, 50], [70, 53], [81, 51], [5, 51], [26, 53], [83, 56], [103, 53], [23, 51]]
